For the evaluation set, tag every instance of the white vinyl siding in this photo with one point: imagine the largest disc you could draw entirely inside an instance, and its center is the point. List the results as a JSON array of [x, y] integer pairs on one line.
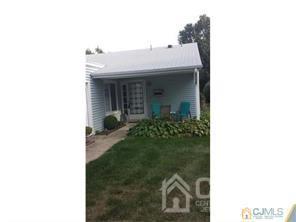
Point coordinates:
[[89, 116], [176, 88], [87, 77], [88, 106], [98, 103]]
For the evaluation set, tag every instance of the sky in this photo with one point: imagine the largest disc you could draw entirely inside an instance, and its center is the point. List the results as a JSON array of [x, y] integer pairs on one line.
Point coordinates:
[[126, 25]]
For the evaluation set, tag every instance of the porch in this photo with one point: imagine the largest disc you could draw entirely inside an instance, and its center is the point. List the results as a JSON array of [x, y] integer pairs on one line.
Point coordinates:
[[129, 98]]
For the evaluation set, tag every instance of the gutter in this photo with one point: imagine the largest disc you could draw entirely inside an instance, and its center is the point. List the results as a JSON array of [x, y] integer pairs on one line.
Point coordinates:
[[138, 73]]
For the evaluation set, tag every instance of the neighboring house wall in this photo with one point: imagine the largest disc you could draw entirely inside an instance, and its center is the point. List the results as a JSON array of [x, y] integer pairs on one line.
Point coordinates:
[[98, 103]]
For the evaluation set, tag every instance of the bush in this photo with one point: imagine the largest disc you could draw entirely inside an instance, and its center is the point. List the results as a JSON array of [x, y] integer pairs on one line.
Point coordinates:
[[88, 130], [205, 115], [110, 122], [167, 129]]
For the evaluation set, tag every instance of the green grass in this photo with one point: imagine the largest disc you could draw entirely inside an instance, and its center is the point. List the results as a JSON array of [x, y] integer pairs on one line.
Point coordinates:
[[124, 184]]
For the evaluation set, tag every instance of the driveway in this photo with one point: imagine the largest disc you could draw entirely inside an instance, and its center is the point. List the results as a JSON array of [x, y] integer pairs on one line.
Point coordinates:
[[105, 142]]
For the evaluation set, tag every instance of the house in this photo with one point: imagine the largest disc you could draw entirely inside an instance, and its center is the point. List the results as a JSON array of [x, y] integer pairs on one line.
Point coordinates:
[[124, 84]]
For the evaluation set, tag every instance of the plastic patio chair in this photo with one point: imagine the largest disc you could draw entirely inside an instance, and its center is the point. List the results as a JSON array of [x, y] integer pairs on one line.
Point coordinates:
[[155, 108], [184, 110]]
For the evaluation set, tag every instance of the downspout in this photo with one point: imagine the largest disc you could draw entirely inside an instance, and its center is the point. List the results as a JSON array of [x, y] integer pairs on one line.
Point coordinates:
[[197, 96]]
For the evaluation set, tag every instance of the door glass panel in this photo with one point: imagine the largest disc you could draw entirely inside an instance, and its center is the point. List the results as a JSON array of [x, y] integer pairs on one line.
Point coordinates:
[[136, 97], [113, 97], [124, 95]]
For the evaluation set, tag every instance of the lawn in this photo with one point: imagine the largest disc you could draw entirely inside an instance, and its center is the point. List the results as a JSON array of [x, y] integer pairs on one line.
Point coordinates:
[[124, 184]]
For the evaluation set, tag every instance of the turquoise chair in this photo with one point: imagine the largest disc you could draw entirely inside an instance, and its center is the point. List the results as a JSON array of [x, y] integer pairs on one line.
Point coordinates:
[[184, 110], [155, 109]]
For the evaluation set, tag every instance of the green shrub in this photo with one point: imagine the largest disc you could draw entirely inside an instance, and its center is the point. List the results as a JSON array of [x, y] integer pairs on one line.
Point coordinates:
[[166, 129], [205, 115], [110, 122], [88, 130]]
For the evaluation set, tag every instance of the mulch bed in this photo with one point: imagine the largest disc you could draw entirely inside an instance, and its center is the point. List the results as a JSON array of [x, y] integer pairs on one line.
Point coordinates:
[[90, 139], [107, 132]]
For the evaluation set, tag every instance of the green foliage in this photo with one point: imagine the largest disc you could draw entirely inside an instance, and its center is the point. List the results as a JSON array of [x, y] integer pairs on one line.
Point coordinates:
[[200, 33], [187, 35], [88, 130], [110, 122], [159, 128], [98, 50], [88, 52], [205, 115]]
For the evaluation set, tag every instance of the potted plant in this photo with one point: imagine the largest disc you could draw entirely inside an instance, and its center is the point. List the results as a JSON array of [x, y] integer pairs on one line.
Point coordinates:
[[89, 135]]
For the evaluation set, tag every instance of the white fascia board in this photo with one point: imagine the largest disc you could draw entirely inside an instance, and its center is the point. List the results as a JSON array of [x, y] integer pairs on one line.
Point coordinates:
[[93, 69], [119, 75], [96, 65]]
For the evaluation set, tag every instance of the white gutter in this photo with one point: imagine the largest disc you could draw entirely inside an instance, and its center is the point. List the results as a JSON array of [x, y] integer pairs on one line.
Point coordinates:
[[139, 73]]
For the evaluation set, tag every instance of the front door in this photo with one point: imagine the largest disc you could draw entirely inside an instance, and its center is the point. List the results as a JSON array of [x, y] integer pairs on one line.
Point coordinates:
[[134, 99]]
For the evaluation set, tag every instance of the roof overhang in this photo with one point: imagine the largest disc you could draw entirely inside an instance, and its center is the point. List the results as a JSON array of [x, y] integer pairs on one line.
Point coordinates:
[[93, 67], [142, 73]]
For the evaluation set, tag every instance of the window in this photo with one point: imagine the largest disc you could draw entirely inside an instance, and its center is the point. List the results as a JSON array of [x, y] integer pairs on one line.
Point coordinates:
[[110, 97]]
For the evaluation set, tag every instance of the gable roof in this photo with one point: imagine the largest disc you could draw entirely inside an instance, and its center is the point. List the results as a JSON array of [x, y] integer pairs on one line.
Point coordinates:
[[178, 57]]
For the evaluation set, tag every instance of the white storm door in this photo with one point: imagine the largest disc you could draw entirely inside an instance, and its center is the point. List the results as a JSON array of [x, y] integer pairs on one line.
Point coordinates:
[[134, 97]]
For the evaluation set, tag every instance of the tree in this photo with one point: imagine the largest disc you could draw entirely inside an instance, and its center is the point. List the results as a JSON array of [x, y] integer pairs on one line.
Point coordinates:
[[98, 50], [206, 91], [200, 33], [187, 35], [88, 52]]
